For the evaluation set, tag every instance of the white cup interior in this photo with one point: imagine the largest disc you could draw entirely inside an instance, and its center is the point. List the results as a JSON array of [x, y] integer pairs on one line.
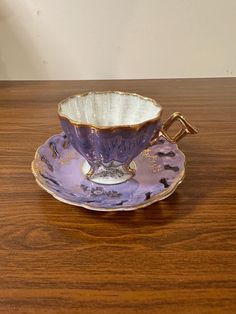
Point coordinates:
[[109, 109]]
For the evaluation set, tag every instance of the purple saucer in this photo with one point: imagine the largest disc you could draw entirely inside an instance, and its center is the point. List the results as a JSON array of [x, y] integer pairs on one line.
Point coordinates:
[[57, 168]]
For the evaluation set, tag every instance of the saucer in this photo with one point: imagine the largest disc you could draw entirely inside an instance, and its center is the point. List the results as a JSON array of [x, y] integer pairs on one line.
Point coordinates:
[[58, 169]]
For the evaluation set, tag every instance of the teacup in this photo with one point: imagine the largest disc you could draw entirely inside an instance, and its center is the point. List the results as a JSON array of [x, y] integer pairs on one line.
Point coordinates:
[[109, 129]]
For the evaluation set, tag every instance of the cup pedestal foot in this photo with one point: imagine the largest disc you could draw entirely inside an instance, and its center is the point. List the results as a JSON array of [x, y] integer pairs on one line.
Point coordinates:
[[109, 175]]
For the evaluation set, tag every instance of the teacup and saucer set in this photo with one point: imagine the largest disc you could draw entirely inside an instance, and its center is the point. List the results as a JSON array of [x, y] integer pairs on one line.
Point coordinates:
[[114, 154]]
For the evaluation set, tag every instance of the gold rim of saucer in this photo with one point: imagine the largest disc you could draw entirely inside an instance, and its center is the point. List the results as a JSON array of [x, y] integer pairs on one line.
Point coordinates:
[[124, 126], [156, 198], [159, 197]]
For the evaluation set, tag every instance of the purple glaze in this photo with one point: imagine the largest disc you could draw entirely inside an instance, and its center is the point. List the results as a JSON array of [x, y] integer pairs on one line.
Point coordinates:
[[99, 146], [57, 167]]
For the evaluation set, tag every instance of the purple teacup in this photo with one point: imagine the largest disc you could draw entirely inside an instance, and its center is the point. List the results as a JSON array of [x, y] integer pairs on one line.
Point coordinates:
[[109, 129]]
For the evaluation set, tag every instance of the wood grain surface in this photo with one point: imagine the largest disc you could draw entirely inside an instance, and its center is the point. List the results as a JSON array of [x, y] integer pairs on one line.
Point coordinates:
[[176, 256]]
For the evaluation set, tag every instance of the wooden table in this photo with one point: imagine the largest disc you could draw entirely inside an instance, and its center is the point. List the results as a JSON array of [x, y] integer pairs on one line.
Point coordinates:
[[176, 256]]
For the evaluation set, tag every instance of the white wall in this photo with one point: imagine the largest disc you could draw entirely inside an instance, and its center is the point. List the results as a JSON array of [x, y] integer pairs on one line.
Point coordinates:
[[109, 39]]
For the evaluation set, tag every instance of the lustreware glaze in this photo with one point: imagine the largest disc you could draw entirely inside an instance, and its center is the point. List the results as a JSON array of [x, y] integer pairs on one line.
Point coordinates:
[[110, 129], [114, 154]]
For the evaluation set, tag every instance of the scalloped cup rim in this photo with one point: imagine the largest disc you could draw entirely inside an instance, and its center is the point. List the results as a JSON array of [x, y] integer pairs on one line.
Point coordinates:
[[109, 127]]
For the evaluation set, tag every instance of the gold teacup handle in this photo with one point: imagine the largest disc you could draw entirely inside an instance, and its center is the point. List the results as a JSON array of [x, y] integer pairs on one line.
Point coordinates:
[[186, 129]]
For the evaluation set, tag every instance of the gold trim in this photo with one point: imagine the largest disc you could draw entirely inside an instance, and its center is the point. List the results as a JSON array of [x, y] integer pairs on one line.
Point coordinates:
[[161, 196], [152, 200], [132, 126], [186, 129]]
